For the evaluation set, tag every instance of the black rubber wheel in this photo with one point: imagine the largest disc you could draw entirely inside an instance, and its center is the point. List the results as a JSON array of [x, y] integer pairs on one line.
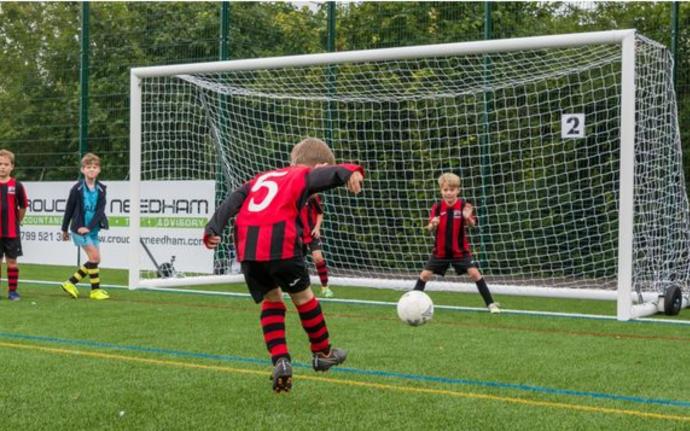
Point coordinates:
[[673, 301]]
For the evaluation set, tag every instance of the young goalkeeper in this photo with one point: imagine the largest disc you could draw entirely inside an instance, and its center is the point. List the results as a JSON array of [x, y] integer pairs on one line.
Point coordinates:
[[448, 220], [312, 218], [268, 241], [85, 216]]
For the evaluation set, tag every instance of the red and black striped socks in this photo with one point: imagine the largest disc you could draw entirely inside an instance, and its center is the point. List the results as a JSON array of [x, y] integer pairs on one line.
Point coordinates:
[[12, 278], [273, 326], [314, 325], [322, 270]]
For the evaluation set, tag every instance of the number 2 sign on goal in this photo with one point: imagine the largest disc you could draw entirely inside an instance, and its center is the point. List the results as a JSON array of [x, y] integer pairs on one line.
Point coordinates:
[[572, 126]]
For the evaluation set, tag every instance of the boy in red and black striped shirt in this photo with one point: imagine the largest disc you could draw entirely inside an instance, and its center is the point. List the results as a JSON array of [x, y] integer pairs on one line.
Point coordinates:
[[13, 203], [268, 238], [448, 220], [312, 217]]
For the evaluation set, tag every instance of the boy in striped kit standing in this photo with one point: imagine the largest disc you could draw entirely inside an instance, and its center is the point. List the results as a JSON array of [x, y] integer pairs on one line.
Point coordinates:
[[448, 221], [13, 204]]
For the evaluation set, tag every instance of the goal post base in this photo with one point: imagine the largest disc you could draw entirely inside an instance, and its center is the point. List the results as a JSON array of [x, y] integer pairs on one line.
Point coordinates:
[[646, 309], [201, 280], [660, 305], [652, 302]]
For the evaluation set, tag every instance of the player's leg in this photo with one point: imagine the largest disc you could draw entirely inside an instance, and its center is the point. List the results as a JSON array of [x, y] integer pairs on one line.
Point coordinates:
[[70, 286], [12, 250], [312, 319], [432, 266], [93, 254], [476, 276], [424, 277], [324, 356], [273, 326], [1, 256], [321, 268], [12, 279], [293, 277], [272, 318]]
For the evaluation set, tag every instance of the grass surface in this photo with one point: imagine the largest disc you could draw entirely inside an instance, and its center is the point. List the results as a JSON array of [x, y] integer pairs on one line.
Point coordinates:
[[150, 360]]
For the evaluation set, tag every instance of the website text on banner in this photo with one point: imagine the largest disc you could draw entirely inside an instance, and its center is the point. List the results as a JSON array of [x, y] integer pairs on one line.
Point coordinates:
[[173, 215]]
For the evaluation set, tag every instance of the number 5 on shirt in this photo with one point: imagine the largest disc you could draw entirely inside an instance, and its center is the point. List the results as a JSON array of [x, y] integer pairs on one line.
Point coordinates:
[[264, 182]]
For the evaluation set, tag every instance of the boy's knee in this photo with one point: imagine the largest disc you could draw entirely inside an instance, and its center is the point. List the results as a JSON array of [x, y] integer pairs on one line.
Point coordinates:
[[274, 295], [474, 274], [302, 297], [426, 275], [317, 257]]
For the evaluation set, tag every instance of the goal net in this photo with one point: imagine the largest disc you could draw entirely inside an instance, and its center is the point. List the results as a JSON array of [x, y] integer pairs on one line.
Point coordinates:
[[568, 146]]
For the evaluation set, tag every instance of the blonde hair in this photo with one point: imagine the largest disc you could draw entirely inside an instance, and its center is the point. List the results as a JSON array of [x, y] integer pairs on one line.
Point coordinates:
[[90, 159], [311, 152], [447, 178], [9, 154]]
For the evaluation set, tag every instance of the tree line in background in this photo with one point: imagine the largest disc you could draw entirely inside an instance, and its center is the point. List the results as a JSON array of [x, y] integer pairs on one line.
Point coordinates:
[[40, 52]]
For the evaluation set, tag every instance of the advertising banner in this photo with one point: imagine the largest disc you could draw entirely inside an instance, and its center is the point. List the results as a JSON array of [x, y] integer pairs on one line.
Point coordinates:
[[173, 215]]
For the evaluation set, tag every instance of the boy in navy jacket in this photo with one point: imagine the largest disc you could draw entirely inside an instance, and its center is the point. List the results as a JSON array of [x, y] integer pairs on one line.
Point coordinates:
[[85, 216]]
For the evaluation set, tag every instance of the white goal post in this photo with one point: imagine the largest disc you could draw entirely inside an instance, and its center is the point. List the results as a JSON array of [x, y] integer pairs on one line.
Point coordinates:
[[568, 145]]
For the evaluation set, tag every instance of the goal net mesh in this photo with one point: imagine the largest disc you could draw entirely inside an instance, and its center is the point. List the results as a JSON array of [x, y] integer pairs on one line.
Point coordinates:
[[547, 201]]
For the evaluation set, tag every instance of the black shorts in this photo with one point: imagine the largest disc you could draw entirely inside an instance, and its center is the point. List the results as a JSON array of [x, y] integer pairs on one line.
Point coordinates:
[[440, 266], [10, 248], [291, 275]]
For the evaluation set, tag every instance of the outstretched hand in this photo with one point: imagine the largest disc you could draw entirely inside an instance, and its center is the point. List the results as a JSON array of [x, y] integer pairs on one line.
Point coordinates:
[[354, 184], [468, 214], [433, 223], [468, 211]]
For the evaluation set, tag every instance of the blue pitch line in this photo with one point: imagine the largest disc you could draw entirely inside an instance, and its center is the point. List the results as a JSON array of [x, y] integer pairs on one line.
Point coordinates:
[[354, 371], [112, 346]]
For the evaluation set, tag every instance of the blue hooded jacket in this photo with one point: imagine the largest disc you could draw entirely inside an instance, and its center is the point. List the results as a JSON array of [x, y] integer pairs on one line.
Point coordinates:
[[74, 212]]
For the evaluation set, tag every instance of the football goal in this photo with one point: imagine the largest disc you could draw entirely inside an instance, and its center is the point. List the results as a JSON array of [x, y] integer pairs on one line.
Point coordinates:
[[567, 145]]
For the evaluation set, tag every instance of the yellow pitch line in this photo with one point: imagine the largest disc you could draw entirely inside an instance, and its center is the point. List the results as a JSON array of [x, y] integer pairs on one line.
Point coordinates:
[[409, 389]]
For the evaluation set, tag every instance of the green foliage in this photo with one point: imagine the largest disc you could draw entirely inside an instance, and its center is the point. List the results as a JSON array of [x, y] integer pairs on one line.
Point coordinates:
[[38, 101], [39, 53]]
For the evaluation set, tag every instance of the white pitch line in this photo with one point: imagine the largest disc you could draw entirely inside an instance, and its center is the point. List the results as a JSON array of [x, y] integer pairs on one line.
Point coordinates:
[[388, 303]]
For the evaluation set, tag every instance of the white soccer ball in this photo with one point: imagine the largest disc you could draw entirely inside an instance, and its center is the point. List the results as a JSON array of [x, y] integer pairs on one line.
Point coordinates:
[[415, 308]]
